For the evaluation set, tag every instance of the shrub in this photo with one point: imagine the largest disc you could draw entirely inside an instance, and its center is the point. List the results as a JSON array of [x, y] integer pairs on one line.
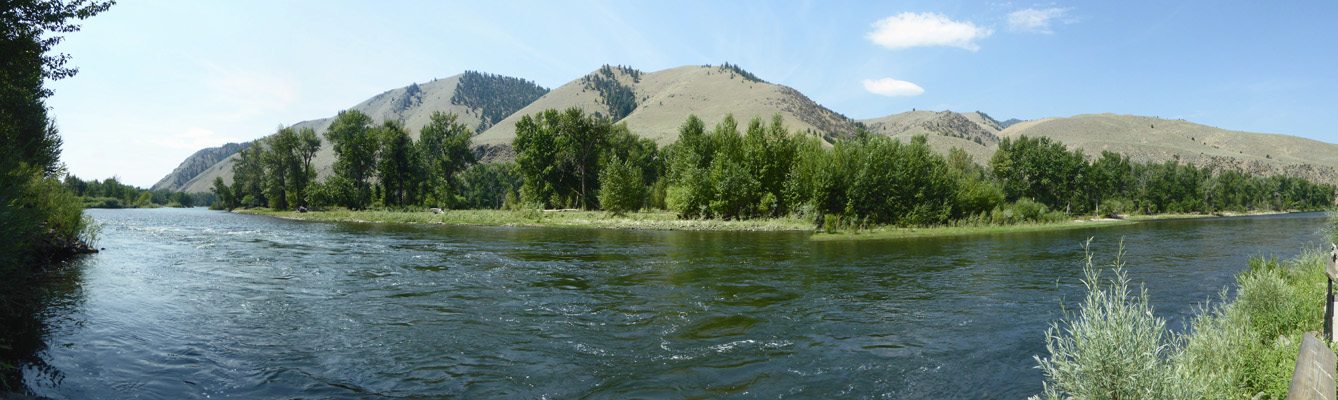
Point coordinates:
[[1116, 347], [1113, 347]]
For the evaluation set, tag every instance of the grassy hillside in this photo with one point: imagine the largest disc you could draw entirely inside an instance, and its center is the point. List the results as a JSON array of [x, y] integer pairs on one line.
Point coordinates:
[[1154, 139], [664, 99], [974, 132]]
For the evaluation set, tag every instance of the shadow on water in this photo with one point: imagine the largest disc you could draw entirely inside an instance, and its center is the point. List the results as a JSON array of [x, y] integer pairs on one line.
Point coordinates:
[[28, 304]]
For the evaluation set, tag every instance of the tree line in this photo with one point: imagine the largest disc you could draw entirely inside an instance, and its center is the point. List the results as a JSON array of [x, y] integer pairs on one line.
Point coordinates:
[[376, 165], [111, 193], [570, 159]]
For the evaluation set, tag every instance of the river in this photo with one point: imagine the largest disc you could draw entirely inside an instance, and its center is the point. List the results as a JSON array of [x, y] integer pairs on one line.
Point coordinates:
[[193, 304]]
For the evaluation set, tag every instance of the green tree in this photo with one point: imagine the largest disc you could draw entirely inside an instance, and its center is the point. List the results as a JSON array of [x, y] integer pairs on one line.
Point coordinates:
[[248, 175], [398, 164], [536, 146], [582, 140], [307, 146], [355, 145], [446, 150], [621, 186], [226, 199], [283, 168]]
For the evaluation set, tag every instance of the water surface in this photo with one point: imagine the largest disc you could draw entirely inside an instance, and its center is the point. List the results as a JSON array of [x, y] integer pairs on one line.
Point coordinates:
[[206, 304]]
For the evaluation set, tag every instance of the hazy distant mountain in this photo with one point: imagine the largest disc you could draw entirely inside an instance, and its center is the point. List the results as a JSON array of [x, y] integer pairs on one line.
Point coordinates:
[[479, 99], [655, 104]]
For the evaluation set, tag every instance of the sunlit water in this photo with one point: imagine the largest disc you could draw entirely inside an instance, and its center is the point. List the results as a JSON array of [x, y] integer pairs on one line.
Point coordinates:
[[206, 304]]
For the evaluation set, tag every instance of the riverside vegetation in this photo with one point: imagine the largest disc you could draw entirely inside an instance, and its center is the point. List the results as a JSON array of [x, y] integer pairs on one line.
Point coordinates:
[[1241, 345], [760, 170], [41, 222]]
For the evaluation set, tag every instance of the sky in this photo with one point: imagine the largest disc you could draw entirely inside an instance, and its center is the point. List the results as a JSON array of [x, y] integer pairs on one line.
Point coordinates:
[[159, 80]]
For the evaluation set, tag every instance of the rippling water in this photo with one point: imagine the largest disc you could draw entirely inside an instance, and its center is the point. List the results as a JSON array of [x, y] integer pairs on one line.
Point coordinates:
[[204, 304]]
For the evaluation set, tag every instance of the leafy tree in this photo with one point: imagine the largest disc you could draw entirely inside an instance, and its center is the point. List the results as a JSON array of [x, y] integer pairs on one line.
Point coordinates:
[[307, 146], [488, 185], [446, 151], [536, 146], [399, 166], [226, 199], [355, 146], [582, 140], [621, 186], [248, 175], [283, 168], [1040, 169]]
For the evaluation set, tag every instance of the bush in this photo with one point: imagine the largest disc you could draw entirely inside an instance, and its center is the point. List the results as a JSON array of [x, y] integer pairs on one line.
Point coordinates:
[[1113, 347], [1116, 347]]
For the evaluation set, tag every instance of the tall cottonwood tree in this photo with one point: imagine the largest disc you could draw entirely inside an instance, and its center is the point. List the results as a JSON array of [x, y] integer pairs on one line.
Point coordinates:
[[355, 145], [282, 167], [307, 146], [445, 144], [397, 164]]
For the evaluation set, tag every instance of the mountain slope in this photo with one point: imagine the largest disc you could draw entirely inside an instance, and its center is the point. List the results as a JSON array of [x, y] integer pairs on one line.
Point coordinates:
[[197, 163], [1148, 139], [478, 99], [976, 133], [663, 100]]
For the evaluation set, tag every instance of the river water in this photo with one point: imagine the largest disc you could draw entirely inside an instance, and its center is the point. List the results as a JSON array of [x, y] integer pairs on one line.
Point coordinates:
[[190, 303]]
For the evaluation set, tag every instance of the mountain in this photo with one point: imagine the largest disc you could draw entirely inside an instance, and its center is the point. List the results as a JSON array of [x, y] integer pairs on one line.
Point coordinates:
[[654, 105], [479, 99], [1148, 139], [974, 132], [196, 164]]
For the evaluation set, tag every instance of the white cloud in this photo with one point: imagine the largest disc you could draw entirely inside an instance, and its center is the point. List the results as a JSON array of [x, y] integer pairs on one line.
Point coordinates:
[[1034, 20], [193, 139], [908, 30], [892, 87]]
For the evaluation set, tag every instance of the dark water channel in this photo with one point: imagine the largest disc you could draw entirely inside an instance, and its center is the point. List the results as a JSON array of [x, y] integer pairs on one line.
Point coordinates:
[[205, 304]]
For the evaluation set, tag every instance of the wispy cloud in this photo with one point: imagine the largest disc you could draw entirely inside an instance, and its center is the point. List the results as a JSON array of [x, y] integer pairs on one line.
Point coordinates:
[[892, 87], [909, 29], [1035, 20]]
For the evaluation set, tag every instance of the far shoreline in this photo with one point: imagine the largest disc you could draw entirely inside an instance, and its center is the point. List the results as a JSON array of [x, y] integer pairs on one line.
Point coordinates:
[[669, 221]]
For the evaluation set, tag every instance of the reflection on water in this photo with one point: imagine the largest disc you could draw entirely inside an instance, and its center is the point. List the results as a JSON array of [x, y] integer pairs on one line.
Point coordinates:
[[195, 304]]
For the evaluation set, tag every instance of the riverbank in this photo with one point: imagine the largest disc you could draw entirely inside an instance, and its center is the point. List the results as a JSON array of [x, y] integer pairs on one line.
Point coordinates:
[[649, 220], [669, 221], [906, 233]]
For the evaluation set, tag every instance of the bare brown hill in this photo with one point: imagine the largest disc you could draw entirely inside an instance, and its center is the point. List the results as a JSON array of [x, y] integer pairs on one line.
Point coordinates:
[[1149, 139], [662, 100], [974, 132]]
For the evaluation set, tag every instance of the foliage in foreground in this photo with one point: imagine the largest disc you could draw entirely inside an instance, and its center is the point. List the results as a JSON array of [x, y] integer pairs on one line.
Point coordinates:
[[1115, 346]]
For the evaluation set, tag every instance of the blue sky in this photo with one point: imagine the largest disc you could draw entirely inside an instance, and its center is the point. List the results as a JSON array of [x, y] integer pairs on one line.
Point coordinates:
[[161, 79]]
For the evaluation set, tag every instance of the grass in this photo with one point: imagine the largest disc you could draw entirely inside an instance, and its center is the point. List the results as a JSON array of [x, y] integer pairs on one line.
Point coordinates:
[[906, 233], [652, 220], [1115, 346], [667, 220]]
